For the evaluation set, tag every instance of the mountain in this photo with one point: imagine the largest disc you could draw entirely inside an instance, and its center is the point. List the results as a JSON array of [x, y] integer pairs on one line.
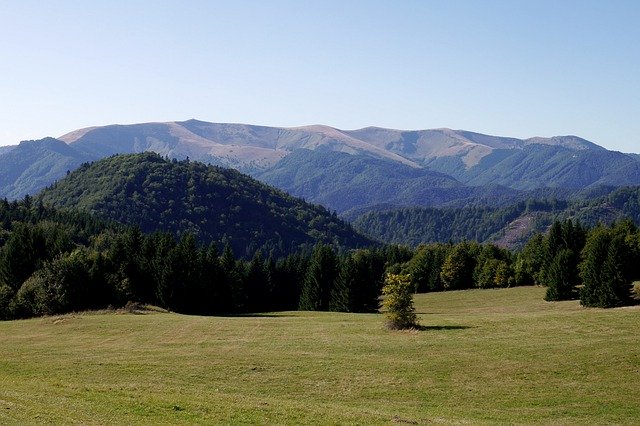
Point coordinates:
[[539, 166], [33, 165], [347, 182], [216, 204], [5, 149], [350, 170]]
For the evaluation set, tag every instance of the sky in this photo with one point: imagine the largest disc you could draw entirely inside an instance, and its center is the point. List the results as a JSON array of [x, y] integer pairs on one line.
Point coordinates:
[[519, 68]]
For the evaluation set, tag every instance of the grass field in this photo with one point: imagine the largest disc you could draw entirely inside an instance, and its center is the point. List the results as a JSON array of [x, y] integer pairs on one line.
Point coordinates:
[[486, 356]]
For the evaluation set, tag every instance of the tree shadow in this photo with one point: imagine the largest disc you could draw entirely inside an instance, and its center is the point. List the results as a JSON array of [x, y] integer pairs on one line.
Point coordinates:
[[442, 327]]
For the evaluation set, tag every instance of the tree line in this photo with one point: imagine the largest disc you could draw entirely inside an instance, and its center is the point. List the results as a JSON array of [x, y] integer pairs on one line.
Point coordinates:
[[53, 262]]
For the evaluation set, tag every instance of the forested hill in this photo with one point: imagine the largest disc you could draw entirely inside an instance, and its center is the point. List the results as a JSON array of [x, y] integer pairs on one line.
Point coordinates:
[[509, 226], [215, 204]]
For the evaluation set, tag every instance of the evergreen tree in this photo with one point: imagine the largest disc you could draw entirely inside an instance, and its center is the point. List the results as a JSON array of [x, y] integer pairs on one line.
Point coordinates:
[[608, 266], [553, 243], [319, 279], [217, 290], [594, 255], [560, 277], [232, 274], [342, 294], [287, 278], [616, 288], [257, 284]]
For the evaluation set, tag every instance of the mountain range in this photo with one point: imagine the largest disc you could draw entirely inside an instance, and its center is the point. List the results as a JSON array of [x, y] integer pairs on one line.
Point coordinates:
[[347, 171]]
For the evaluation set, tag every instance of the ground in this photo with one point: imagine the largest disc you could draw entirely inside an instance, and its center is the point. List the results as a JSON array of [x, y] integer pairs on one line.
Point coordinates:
[[483, 356]]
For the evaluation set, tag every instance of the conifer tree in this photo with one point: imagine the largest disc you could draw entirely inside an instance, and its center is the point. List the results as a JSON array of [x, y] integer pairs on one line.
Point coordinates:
[[233, 280], [319, 279], [342, 294], [560, 277], [257, 284], [593, 256], [608, 266]]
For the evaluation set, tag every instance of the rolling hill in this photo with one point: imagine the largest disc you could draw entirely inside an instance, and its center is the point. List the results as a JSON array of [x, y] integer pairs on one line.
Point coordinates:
[[216, 204]]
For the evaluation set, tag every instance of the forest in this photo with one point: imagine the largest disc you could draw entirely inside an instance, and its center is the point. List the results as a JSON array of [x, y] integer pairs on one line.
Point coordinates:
[[54, 261], [212, 203], [413, 225]]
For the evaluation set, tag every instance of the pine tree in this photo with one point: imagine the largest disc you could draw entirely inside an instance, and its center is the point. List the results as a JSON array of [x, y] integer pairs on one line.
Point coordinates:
[[560, 277], [606, 266], [593, 257], [233, 280], [342, 294], [615, 287], [319, 279], [257, 284]]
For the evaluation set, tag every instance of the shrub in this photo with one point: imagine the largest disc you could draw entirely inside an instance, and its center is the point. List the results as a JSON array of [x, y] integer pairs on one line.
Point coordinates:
[[398, 302]]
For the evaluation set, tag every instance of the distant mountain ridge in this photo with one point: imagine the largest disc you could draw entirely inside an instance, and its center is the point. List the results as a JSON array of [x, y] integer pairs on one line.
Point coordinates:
[[345, 170]]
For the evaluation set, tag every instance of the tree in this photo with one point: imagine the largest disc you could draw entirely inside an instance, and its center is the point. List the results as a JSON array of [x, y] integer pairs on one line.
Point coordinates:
[[560, 277], [593, 256], [231, 272], [457, 269], [257, 284], [424, 267], [319, 279], [530, 261], [398, 302], [607, 268], [22, 255], [342, 294]]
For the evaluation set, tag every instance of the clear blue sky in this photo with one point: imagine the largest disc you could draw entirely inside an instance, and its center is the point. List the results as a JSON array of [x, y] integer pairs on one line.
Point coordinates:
[[513, 67]]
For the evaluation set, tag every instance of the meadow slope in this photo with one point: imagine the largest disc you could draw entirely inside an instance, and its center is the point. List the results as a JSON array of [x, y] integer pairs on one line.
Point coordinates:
[[484, 356]]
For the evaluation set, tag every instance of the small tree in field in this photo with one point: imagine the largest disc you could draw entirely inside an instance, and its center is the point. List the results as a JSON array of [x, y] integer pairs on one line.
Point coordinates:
[[398, 302]]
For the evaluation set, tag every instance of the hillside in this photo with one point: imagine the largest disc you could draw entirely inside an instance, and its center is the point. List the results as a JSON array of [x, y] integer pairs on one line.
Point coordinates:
[[5, 149], [33, 165], [216, 204], [539, 166], [508, 226]]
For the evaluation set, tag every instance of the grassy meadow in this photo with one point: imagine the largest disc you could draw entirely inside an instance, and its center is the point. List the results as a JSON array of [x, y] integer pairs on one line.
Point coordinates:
[[483, 356]]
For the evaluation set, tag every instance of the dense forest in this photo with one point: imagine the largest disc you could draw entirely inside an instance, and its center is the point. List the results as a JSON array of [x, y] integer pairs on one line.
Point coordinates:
[[55, 261], [416, 225], [216, 205]]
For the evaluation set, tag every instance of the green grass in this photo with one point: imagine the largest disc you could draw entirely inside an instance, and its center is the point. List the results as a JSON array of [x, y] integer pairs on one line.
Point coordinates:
[[487, 356]]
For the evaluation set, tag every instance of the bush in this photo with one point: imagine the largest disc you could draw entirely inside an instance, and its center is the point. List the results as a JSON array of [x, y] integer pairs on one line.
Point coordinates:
[[398, 302]]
